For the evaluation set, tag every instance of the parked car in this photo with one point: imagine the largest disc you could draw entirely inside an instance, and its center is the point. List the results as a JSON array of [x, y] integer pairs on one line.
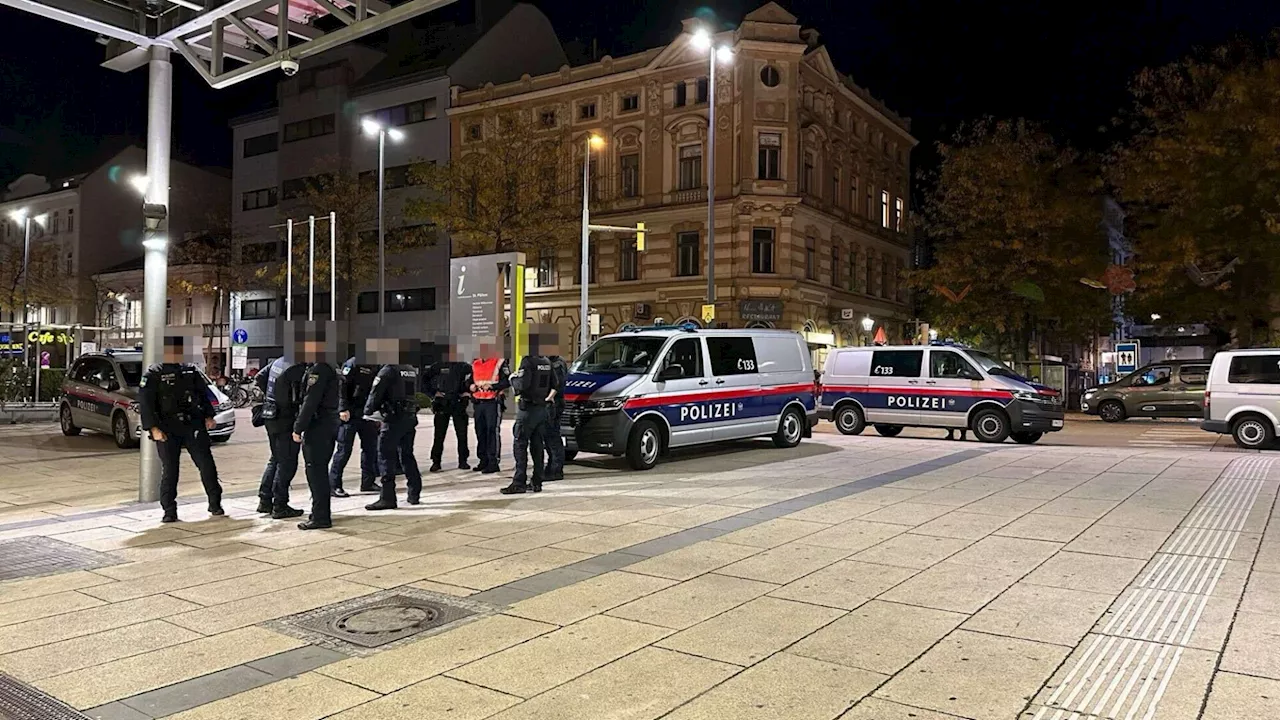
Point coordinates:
[[1168, 389], [1242, 397], [100, 393], [941, 386]]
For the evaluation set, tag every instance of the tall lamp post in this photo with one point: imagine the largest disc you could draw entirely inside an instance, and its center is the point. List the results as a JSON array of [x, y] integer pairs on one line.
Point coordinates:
[[702, 40], [371, 128], [26, 220], [594, 142]]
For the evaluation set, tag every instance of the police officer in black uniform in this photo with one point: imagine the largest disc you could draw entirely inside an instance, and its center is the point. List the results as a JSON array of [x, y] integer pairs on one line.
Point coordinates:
[[283, 392], [177, 412], [552, 440], [534, 382], [448, 382], [393, 395], [316, 428], [356, 380]]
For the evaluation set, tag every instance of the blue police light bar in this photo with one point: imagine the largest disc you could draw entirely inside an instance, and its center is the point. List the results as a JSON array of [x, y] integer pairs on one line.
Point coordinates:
[[686, 327]]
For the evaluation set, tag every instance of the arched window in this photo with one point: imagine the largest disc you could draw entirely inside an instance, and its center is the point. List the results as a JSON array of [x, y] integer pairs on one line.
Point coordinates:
[[688, 320], [759, 325]]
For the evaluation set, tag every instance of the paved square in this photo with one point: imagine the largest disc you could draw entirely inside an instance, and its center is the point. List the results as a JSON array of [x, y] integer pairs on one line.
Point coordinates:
[[852, 578]]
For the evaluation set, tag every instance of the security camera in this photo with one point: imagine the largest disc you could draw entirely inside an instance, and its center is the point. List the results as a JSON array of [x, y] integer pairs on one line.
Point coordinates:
[[289, 67]]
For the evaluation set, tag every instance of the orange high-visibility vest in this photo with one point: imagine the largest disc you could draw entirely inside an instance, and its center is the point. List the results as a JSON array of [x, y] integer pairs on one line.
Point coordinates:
[[486, 370]]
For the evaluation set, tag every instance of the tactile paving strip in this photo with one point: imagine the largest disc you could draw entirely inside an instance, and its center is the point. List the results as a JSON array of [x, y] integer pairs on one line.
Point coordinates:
[[19, 701], [32, 556]]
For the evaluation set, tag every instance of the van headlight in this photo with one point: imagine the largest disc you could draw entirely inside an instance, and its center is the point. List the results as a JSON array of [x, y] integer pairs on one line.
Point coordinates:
[[1035, 397], [605, 406], [1089, 393]]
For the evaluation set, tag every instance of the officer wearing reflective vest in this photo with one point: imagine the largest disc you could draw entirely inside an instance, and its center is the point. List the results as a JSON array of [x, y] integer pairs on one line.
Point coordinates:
[[534, 383], [490, 378], [394, 396], [355, 382], [177, 412], [448, 382], [282, 390]]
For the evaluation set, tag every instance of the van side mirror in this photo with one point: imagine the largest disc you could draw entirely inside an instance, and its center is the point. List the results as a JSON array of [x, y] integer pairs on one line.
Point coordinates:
[[671, 372]]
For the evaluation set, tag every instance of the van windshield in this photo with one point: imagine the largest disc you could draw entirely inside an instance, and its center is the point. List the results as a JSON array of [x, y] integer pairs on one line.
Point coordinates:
[[626, 355], [992, 366]]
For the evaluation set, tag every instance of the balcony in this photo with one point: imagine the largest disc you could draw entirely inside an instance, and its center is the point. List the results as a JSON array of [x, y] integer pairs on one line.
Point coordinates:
[[692, 195]]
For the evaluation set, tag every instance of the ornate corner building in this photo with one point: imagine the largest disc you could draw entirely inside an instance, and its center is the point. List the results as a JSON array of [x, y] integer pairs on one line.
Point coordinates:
[[811, 185]]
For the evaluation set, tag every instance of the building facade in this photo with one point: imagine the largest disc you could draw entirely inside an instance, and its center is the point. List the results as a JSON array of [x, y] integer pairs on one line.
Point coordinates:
[[811, 186], [316, 128]]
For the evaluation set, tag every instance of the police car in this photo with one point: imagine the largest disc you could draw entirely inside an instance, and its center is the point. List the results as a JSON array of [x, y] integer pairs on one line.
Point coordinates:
[[640, 393], [943, 386], [100, 393]]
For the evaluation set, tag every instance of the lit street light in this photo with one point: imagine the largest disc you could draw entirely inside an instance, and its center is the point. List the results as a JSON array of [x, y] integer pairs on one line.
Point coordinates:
[[26, 220], [371, 128], [1155, 317], [868, 324], [702, 40], [594, 142]]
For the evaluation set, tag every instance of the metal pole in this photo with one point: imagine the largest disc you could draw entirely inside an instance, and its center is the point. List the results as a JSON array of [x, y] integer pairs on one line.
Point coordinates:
[[711, 180], [38, 359], [333, 267], [156, 262], [26, 258], [311, 268], [382, 241], [288, 273], [584, 334]]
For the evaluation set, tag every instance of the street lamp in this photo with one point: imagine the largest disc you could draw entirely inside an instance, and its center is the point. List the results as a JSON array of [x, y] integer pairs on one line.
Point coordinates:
[[26, 220], [1155, 317], [702, 40], [371, 128], [594, 142]]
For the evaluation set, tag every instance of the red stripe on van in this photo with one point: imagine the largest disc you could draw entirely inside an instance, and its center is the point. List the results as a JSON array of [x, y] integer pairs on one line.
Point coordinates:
[[914, 390]]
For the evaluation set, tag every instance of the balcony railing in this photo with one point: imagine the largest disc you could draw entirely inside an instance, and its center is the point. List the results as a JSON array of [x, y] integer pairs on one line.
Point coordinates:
[[692, 195]]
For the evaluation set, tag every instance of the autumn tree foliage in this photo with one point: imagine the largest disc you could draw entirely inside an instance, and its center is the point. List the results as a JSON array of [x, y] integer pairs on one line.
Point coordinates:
[[1013, 218], [515, 187], [1199, 177], [39, 276]]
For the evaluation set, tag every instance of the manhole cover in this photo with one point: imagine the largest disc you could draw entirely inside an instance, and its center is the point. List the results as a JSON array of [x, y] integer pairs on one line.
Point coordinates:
[[20, 701], [32, 556], [378, 620]]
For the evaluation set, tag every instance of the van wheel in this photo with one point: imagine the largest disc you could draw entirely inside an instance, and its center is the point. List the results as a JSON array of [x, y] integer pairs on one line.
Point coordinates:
[[888, 430], [849, 420], [790, 429], [1112, 411], [120, 431], [68, 425], [569, 455], [1025, 438], [644, 446], [991, 426], [1253, 432]]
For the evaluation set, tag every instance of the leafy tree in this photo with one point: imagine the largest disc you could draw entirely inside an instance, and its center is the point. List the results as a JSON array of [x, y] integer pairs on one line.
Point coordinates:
[[46, 282], [1199, 178], [354, 197], [517, 187], [1014, 219], [206, 265]]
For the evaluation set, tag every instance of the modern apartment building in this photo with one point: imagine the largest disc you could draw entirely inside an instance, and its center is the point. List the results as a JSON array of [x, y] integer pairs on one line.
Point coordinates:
[[316, 128], [811, 185]]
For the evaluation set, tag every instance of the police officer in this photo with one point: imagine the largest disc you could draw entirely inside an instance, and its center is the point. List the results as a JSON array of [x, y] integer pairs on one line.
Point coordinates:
[[490, 377], [283, 390], [177, 412], [393, 395], [353, 392], [552, 440], [316, 428], [534, 382], [448, 383]]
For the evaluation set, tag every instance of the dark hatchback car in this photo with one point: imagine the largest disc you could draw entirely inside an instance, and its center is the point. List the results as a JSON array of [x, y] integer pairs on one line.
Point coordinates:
[[1168, 389]]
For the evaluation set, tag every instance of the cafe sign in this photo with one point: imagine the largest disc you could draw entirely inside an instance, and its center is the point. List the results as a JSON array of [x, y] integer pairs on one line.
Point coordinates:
[[760, 310]]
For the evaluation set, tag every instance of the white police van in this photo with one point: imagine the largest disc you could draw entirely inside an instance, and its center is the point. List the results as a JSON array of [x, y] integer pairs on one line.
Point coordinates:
[[642, 392], [943, 386]]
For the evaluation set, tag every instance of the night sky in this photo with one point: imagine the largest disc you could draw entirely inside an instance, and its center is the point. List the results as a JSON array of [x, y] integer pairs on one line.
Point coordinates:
[[939, 62]]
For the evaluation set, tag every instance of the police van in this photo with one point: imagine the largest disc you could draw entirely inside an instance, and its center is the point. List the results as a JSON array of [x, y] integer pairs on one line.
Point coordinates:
[[942, 386], [642, 392]]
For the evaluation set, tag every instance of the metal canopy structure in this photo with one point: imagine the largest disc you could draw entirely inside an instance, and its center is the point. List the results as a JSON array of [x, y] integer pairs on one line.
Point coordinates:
[[226, 42]]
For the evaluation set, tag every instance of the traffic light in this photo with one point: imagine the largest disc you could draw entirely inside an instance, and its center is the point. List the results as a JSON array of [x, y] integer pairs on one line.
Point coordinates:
[[640, 236]]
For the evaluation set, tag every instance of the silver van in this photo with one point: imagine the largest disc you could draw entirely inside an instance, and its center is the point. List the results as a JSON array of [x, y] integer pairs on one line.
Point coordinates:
[[943, 386], [100, 393], [1242, 397], [640, 393]]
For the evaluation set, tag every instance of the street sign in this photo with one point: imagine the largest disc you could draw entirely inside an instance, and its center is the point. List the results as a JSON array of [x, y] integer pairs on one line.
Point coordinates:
[[88, 347], [1127, 357], [708, 313], [240, 336], [239, 357]]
